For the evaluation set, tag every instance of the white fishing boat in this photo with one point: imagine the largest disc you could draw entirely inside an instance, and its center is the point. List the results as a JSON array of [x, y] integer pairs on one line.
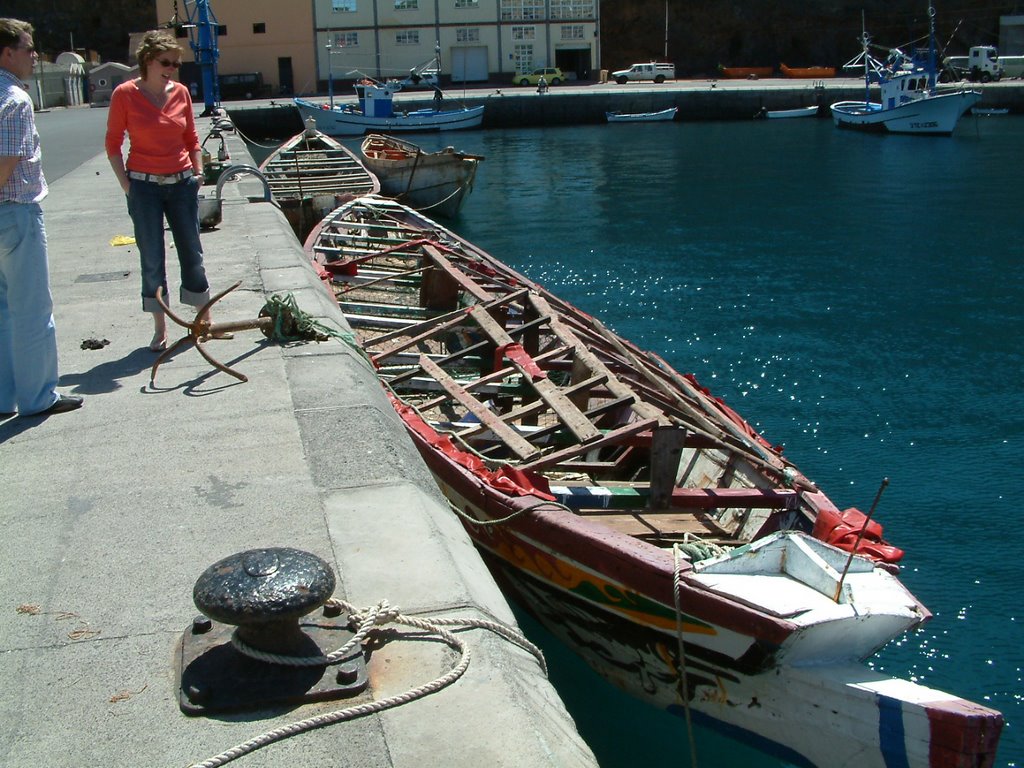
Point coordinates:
[[376, 111], [642, 117], [435, 182], [910, 101]]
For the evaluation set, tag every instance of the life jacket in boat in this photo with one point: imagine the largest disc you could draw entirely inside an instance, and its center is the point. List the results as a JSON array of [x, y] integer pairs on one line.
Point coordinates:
[[841, 529]]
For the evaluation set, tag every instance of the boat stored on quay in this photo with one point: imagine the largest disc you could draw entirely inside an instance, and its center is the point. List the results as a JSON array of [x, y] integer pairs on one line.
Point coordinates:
[[811, 73], [436, 182], [745, 73], [910, 101], [375, 111], [311, 174], [636, 515], [662, 115]]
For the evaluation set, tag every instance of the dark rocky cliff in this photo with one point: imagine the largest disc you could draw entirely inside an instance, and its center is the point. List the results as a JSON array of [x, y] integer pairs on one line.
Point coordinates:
[[799, 33]]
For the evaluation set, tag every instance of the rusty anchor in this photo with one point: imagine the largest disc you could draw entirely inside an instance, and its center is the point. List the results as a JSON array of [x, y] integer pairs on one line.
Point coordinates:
[[201, 330]]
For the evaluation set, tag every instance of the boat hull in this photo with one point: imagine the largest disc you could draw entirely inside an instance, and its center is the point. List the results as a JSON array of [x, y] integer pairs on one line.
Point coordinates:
[[561, 446], [310, 175], [821, 715], [745, 73], [435, 182], [806, 73], [347, 121], [663, 115], [778, 114], [936, 115]]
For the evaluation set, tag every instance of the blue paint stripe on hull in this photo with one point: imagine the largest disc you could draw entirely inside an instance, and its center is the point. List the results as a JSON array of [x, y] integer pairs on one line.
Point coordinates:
[[891, 736], [742, 735]]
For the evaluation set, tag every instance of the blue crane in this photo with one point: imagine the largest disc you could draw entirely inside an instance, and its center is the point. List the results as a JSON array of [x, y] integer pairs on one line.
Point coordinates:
[[202, 34]]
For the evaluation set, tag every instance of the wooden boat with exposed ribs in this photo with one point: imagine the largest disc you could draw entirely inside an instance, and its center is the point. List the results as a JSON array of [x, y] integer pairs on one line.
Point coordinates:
[[311, 174], [636, 515]]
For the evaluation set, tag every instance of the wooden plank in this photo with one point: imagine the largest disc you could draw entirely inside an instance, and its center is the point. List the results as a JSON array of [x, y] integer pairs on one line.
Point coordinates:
[[489, 378], [653, 525], [427, 329], [666, 451], [516, 443], [741, 498], [611, 438], [571, 416], [469, 286], [533, 406], [617, 387]]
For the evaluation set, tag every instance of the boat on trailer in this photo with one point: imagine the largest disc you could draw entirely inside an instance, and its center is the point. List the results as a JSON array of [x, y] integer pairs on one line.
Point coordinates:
[[311, 174], [435, 182], [661, 115], [636, 515]]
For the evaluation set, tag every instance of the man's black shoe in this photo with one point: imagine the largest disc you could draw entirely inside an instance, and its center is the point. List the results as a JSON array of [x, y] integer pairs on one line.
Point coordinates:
[[64, 404]]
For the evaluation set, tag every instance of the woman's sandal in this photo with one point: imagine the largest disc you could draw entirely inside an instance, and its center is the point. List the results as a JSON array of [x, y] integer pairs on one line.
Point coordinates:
[[158, 344]]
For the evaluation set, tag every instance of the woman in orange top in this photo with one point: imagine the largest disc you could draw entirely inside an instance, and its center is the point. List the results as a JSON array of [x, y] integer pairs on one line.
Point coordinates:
[[162, 176]]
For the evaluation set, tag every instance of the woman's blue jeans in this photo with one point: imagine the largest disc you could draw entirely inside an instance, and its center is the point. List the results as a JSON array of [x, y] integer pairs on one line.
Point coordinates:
[[148, 204]]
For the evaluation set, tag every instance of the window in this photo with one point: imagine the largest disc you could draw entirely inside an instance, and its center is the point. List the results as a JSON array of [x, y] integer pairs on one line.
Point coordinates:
[[467, 35], [407, 37], [259, 28], [407, 5], [343, 5], [467, 3], [522, 55], [572, 31], [526, 10], [343, 39], [524, 33], [572, 9]]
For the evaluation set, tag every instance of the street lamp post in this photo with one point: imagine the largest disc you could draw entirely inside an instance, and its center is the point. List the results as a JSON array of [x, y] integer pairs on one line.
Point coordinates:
[[330, 72]]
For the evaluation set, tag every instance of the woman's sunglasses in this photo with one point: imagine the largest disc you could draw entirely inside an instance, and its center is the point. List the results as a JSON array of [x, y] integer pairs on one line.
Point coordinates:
[[166, 63]]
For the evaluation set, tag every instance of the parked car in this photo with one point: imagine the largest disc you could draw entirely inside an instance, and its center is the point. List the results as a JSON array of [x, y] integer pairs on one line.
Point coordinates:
[[426, 79], [552, 75]]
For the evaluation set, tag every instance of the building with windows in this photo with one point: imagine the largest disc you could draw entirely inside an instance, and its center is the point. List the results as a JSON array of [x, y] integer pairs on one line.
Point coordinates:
[[299, 46]]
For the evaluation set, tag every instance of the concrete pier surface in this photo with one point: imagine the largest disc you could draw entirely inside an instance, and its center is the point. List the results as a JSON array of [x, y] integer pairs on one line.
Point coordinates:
[[112, 512]]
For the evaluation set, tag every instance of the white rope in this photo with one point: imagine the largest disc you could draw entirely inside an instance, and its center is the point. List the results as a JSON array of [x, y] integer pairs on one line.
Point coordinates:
[[677, 585], [378, 615]]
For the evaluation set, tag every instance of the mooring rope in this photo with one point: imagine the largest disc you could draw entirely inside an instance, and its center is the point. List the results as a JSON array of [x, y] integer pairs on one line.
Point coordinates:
[[368, 619], [293, 324], [677, 586]]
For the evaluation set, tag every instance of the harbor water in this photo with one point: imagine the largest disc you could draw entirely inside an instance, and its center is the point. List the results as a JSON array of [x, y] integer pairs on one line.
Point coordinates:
[[858, 298]]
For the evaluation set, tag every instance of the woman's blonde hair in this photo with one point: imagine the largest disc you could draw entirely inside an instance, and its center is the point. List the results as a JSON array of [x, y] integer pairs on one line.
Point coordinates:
[[153, 44]]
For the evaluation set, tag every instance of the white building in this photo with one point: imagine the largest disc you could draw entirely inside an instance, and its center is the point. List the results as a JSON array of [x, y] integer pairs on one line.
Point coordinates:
[[298, 46]]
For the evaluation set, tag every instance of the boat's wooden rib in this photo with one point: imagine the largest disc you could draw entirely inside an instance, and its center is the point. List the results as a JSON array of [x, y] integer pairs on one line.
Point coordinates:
[[602, 487]]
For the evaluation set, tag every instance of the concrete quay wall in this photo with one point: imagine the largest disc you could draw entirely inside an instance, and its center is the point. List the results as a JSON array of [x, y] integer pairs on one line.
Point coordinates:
[[519, 107], [112, 512]]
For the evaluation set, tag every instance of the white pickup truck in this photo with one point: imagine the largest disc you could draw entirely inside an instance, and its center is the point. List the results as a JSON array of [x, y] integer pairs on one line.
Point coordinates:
[[655, 71]]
